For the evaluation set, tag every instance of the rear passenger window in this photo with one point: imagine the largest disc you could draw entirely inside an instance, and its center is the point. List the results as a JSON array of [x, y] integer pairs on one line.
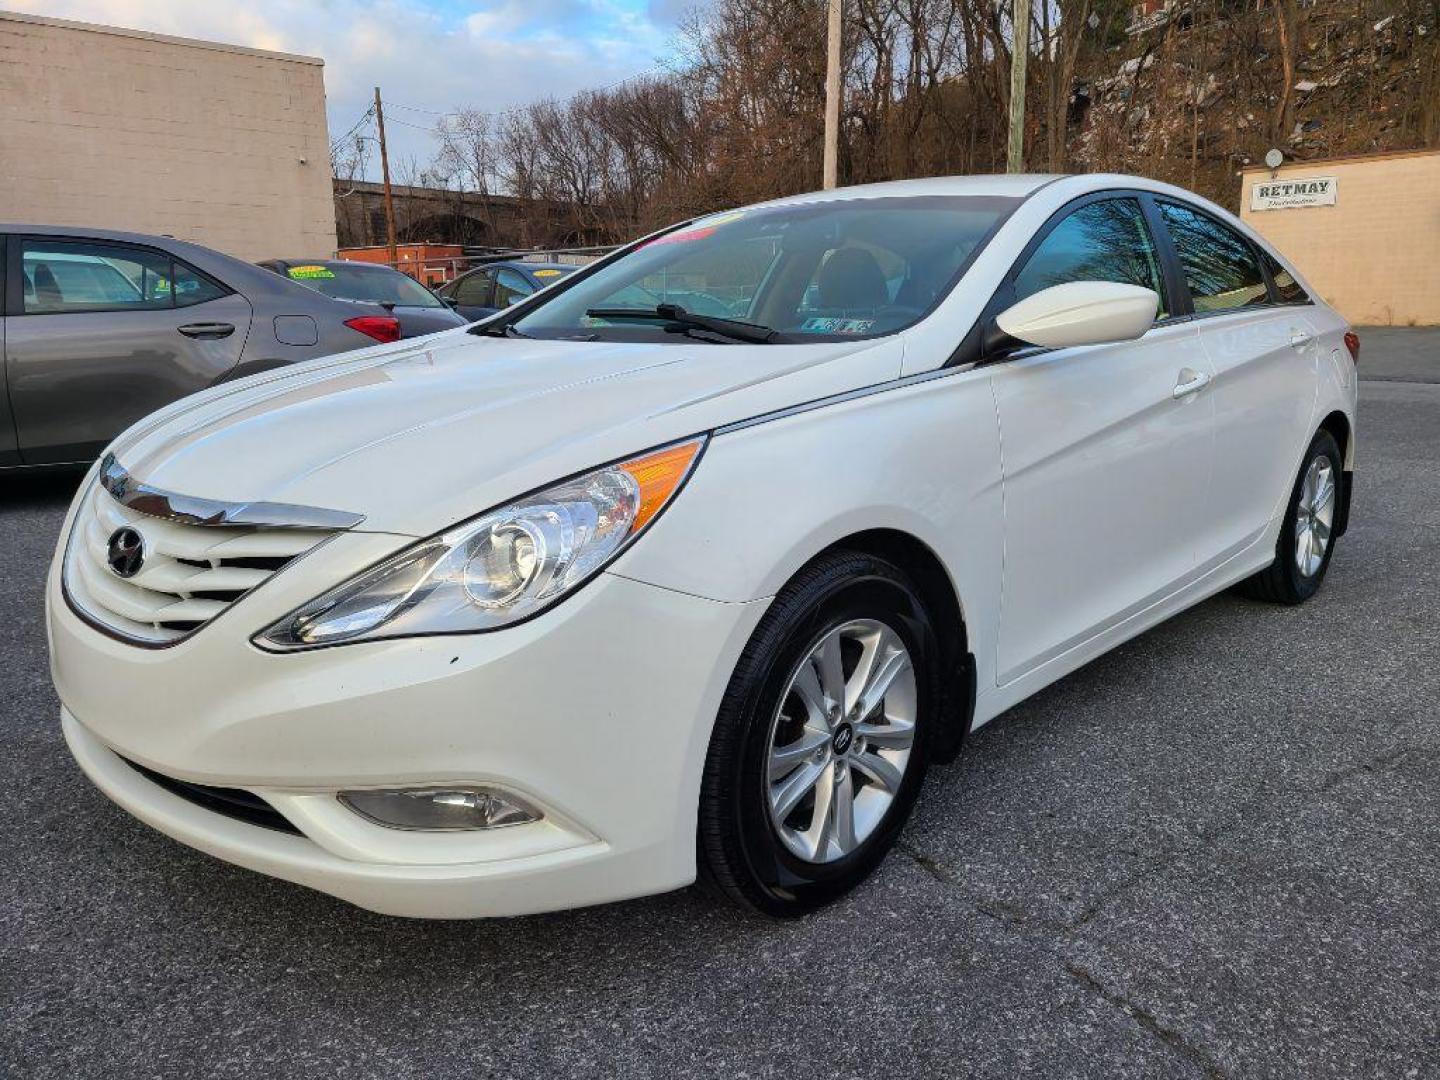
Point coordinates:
[[1101, 241], [1287, 289], [62, 276], [1220, 265]]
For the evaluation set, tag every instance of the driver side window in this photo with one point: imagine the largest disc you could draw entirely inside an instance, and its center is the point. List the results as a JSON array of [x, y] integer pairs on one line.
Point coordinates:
[[473, 290], [1101, 241]]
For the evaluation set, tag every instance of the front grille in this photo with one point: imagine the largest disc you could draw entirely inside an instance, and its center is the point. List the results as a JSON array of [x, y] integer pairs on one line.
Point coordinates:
[[189, 573], [233, 803]]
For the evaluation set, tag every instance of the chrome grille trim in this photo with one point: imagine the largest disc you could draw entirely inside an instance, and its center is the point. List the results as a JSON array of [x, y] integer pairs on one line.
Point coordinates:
[[195, 565], [191, 510]]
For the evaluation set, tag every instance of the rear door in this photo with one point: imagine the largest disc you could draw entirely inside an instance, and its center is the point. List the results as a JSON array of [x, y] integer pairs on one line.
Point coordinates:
[[1265, 357], [100, 333]]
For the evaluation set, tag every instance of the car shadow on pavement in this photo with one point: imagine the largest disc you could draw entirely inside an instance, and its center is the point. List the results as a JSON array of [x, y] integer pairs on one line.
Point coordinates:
[[40, 490]]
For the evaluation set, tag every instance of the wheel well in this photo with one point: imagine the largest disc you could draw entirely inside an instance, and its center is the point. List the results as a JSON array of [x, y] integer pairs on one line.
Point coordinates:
[[1338, 425], [937, 590]]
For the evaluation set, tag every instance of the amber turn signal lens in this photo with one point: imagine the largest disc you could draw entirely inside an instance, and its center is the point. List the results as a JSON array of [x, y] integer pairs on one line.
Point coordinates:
[[659, 475]]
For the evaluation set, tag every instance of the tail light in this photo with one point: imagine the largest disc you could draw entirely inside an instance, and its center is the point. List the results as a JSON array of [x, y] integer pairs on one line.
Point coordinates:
[[379, 327], [1352, 342]]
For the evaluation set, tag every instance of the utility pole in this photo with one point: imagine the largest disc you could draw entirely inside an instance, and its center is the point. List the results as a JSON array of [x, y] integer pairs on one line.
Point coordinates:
[[1019, 53], [832, 96], [385, 174]]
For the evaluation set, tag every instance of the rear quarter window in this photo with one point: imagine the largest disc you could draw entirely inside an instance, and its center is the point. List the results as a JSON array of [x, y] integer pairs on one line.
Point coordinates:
[[1287, 289], [1220, 266]]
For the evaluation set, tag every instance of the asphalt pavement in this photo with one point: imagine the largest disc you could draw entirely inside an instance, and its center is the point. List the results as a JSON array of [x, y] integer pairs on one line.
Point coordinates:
[[1214, 852]]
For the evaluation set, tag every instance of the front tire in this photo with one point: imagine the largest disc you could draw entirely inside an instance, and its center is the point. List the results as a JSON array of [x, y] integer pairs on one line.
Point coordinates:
[[820, 746], [1307, 537]]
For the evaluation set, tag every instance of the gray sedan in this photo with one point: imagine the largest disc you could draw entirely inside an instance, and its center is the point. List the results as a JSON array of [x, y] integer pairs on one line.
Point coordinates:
[[419, 310], [100, 328]]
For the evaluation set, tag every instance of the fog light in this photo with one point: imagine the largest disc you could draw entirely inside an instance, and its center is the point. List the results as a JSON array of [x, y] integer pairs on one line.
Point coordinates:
[[442, 809]]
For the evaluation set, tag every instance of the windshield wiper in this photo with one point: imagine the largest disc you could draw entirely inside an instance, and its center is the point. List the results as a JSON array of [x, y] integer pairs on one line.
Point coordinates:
[[737, 329]]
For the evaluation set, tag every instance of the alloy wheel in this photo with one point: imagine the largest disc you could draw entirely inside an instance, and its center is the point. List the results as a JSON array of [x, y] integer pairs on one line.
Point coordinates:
[[1314, 516], [841, 740]]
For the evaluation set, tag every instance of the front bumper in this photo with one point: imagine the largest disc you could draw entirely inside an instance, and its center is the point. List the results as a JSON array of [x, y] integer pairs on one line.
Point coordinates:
[[599, 712]]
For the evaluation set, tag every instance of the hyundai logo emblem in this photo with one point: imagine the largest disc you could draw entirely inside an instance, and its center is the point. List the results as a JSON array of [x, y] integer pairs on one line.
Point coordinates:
[[125, 553], [843, 738]]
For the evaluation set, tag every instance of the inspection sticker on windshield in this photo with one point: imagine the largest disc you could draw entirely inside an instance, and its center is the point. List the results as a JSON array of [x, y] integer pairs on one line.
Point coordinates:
[[836, 326], [302, 273]]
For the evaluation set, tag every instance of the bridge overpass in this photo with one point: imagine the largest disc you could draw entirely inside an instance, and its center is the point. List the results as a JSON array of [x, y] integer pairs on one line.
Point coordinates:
[[437, 216]]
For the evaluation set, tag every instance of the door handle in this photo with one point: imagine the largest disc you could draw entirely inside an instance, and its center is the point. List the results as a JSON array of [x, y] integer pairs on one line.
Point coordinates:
[[1300, 338], [1191, 381], [207, 330]]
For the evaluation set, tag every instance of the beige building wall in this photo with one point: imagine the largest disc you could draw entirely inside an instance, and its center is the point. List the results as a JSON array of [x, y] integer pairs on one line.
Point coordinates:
[[1375, 254], [121, 129]]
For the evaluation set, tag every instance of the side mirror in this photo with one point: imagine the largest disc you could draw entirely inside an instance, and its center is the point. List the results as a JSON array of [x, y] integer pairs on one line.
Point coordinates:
[[1081, 313], [450, 301]]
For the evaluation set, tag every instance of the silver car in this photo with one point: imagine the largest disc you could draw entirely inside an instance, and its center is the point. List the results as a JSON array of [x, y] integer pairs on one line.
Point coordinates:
[[100, 328]]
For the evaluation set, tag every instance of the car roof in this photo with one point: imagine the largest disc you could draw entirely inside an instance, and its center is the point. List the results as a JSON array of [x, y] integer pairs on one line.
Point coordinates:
[[1004, 185], [86, 233], [333, 262], [515, 264], [238, 274]]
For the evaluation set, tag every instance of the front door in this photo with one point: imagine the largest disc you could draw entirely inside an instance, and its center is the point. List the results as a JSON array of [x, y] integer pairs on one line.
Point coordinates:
[[101, 333], [1106, 452]]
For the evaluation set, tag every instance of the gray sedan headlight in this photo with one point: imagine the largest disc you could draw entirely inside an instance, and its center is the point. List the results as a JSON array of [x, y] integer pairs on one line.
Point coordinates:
[[501, 567]]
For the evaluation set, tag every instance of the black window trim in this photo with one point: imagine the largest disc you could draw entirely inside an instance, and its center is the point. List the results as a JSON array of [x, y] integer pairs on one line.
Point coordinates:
[[1266, 258], [14, 279], [987, 344], [1272, 294]]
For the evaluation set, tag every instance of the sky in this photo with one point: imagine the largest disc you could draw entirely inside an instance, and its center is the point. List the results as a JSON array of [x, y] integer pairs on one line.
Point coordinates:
[[427, 56]]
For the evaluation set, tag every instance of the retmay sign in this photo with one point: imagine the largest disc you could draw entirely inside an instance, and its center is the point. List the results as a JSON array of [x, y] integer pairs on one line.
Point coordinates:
[[1288, 194]]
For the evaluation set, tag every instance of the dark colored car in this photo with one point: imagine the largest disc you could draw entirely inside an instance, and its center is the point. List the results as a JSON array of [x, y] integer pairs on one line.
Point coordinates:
[[483, 291], [419, 310], [100, 328]]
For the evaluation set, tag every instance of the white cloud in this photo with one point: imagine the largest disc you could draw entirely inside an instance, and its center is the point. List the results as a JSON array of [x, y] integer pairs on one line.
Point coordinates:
[[429, 56]]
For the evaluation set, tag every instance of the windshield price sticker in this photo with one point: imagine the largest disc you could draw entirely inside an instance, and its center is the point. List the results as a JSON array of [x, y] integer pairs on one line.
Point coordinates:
[[302, 273]]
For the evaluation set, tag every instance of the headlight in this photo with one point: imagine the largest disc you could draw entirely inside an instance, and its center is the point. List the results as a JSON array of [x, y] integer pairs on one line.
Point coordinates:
[[501, 567]]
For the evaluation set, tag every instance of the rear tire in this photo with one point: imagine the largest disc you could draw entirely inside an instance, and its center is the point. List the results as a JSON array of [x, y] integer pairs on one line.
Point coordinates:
[[833, 698], [1307, 537]]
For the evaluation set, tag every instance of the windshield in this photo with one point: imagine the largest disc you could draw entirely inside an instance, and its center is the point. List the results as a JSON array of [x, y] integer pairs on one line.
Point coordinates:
[[832, 270], [374, 284]]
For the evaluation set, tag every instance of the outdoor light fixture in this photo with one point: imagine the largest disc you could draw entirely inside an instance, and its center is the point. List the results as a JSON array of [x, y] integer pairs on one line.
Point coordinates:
[[441, 809]]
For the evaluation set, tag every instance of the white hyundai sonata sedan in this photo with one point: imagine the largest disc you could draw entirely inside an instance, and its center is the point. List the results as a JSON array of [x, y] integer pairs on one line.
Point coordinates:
[[690, 565]]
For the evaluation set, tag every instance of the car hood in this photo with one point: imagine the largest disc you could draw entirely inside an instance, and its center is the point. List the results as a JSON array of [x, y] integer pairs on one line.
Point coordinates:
[[417, 436]]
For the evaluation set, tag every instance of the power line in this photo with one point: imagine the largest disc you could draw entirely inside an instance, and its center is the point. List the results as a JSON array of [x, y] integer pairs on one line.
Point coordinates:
[[335, 143]]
